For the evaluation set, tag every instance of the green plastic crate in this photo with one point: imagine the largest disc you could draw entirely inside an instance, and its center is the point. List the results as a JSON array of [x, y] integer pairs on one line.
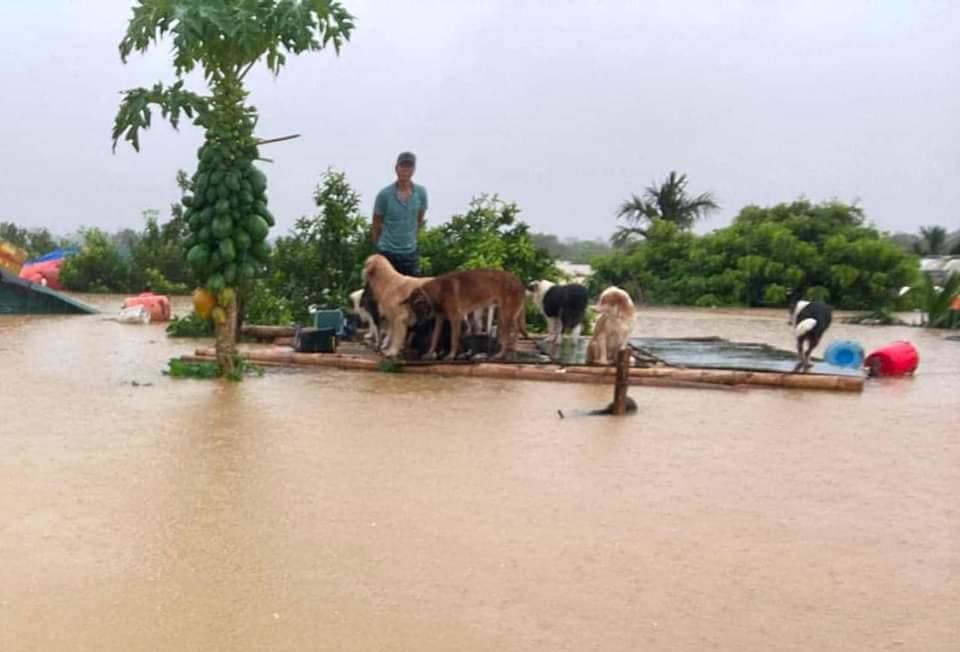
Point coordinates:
[[329, 319]]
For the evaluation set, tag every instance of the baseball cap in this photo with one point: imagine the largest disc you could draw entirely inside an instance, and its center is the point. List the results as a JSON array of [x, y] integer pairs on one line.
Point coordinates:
[[406, 157]]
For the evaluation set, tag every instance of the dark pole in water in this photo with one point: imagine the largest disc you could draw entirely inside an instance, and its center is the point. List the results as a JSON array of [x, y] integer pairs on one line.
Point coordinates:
[[622, 382]]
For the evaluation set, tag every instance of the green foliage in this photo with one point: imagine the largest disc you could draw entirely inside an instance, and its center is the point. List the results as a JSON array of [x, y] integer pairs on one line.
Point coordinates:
[[658, 268], [98, 267], [667, 202], [159, 283], [178, 368], [390, 366], [228, 36], [35, 242], [129, 261], [935, 241], [225, 38], [534, 319], [321, 261], [135, 113], [264, 306], [824, 250], [571, 249], [190, 326], [203, 370], [937, 302], [487, 235], [156, 257]]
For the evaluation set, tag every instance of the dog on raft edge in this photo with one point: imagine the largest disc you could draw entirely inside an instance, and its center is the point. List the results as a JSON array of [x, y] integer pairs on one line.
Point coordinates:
[[810, 320], [367, 313], [616, 314], [564, 307], [455, 295], [390, 289]]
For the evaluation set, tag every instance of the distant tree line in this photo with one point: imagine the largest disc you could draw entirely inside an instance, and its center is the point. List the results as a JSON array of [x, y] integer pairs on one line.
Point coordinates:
[[574, 250]]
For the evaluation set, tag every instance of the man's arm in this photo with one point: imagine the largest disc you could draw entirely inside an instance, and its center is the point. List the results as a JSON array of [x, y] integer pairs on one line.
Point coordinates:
[[376, 228], [423, 209]]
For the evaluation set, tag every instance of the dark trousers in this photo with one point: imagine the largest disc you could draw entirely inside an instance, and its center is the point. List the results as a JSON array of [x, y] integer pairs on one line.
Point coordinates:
[[406, 264]]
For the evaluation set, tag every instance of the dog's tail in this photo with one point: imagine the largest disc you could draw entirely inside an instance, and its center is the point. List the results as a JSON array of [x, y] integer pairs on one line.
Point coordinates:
[[522, 322], [805, 326]]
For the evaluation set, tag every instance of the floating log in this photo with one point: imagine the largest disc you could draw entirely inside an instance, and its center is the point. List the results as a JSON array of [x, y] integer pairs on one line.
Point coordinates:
[[653, 376]]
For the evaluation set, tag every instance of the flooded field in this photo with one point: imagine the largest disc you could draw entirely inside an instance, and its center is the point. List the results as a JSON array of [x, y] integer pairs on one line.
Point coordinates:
[[357, 511]]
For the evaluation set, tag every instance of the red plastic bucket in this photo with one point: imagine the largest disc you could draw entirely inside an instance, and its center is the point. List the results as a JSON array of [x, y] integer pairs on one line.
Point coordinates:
[[894, 359]]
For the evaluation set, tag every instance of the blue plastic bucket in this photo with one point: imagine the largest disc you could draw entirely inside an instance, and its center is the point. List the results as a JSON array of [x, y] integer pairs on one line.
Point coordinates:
[[845, 354]]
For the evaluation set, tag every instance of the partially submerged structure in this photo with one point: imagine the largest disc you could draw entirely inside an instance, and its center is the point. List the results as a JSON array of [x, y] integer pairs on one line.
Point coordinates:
[[21, 297], [691, 363]]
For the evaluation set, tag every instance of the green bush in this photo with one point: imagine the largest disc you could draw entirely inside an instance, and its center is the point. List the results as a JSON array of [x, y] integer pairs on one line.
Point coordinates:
[[825, 250], [209, 370], [263, 306], [487, 235], [98, 267], [159, 283], [320, 262], [190, 326]]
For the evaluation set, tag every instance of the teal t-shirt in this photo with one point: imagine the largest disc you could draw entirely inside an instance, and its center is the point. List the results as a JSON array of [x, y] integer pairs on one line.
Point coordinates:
[[399, 234]]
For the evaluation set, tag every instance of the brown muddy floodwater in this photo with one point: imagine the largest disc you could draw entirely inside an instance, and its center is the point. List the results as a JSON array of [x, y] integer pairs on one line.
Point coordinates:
[[336, 510]]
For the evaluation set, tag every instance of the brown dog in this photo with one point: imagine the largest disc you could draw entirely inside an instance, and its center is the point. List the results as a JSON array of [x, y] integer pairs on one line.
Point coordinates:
[[390, 288], [455, 295]]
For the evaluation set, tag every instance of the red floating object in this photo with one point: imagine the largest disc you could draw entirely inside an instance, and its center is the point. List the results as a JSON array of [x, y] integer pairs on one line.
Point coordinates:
[[894, 359], [157, 304]]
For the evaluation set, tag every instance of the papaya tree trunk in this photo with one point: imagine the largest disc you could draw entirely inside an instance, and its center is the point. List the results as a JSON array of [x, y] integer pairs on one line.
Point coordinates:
[[226, 334]]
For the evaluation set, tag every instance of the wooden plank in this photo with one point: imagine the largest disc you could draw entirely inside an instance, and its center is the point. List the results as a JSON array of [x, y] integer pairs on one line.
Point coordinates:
[[557, 373]]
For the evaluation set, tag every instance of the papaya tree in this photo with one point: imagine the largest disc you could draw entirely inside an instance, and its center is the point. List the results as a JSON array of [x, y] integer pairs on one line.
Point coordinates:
[[227, 209]]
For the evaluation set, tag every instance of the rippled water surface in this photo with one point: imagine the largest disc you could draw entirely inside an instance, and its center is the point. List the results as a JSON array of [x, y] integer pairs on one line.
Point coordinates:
[[357, 511]]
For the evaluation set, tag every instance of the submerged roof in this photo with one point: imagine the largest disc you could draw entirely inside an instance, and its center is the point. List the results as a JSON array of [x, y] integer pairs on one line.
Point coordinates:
[[21, 297]]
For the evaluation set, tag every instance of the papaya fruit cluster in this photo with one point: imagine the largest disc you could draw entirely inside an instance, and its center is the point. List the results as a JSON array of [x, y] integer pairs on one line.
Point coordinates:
[[229, 220]]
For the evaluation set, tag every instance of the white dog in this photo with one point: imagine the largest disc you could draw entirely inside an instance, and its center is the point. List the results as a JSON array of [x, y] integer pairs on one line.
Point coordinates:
[[613, 327]]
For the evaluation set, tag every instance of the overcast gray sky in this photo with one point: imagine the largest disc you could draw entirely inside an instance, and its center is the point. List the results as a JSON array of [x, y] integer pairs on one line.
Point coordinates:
[[562, 107]]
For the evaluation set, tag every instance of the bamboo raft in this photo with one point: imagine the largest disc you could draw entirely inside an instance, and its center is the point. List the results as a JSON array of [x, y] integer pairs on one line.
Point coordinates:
[[659, 376]]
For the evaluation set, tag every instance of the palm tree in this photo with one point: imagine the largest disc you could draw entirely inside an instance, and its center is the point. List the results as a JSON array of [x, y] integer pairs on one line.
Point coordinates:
[[668, 201], [933, 241]]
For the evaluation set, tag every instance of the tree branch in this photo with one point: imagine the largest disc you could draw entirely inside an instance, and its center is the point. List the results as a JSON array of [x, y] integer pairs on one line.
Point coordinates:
[[267, 141], [247, 69]]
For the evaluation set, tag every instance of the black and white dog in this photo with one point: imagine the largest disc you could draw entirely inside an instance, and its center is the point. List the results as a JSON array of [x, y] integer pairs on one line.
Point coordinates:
[[365, 308], [564, 306], [810, 320]]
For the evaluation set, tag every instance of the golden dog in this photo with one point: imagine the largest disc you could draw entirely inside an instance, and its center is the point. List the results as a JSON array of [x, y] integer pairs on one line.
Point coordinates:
[[455, 295], [613, 327], [390, 288]]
